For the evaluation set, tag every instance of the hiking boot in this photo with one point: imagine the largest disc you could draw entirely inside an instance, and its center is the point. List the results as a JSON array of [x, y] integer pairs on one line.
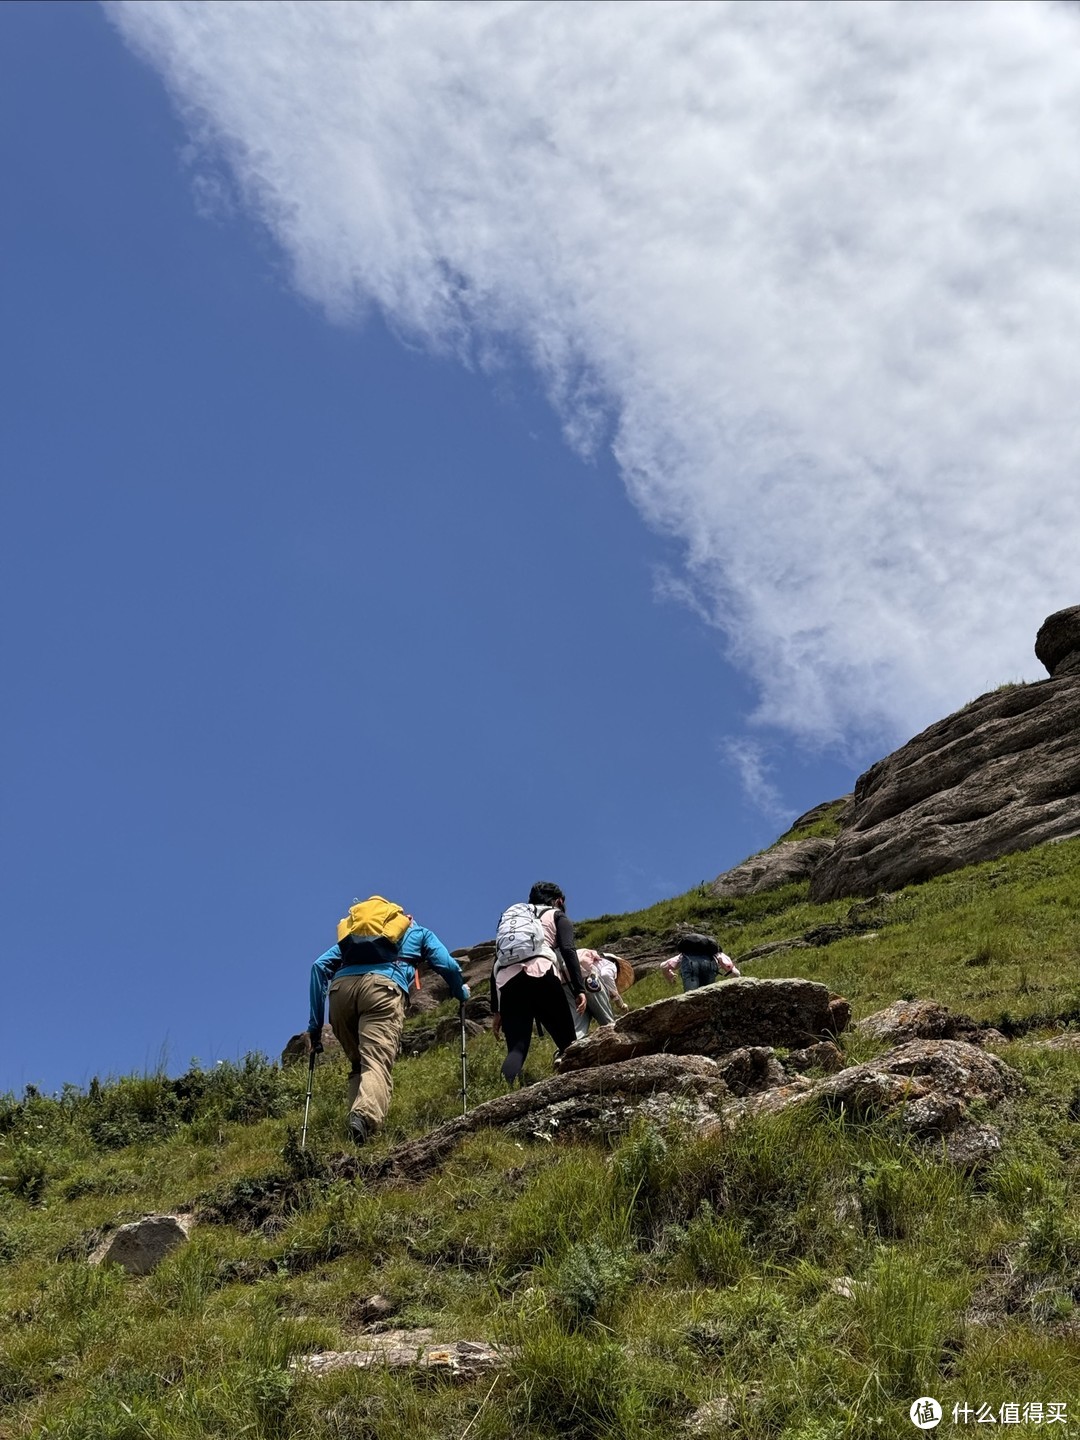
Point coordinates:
[[358, 1128]]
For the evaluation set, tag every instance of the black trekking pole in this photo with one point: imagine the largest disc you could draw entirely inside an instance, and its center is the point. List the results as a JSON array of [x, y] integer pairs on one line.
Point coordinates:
[[307, 1102], [464, 1089]]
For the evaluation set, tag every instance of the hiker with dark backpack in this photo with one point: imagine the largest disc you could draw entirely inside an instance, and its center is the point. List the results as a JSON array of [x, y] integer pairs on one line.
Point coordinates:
[[525, 982], [699, 961], [369, 973]]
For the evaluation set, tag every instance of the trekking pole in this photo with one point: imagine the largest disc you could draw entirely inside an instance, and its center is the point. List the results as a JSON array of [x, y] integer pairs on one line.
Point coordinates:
[[307, 1102], [464, 1092]]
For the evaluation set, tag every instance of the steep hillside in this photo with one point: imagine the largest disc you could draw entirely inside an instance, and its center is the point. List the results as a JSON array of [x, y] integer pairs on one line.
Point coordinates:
[[806, 1274]]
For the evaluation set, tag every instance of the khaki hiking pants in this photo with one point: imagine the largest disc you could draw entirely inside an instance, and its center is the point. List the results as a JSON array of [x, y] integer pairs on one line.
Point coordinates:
[[367, 1013]]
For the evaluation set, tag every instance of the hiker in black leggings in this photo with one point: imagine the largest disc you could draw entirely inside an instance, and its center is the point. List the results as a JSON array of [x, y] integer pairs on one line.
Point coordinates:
[[522, 994]]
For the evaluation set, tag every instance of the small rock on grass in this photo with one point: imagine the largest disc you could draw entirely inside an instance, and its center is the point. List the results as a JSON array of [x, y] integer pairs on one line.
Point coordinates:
[[459, 1360], [141, 1246]]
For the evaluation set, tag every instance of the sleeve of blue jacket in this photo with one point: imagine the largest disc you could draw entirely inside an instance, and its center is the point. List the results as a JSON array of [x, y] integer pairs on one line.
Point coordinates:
[[320, 979], [421, 944]]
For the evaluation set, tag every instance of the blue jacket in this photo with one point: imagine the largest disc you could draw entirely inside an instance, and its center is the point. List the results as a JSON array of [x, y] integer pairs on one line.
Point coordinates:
[[418, 944]]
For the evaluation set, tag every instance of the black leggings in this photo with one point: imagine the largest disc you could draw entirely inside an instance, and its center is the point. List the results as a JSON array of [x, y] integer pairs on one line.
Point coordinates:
[[524, 999]]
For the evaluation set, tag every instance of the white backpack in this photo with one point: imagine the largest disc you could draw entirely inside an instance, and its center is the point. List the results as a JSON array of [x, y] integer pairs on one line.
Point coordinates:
[[520, 936]]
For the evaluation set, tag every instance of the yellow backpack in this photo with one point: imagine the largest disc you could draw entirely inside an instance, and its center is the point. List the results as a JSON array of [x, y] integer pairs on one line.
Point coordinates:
[[374, 918]]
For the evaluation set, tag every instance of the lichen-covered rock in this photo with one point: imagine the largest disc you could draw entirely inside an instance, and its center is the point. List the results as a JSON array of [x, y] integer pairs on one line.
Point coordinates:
[[926, 1084], [713, 1021], [918, 1020], [825, 1055], [459, 1360]]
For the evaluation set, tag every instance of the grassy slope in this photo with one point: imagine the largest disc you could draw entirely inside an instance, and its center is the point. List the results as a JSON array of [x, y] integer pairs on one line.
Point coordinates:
[[633, 1285]]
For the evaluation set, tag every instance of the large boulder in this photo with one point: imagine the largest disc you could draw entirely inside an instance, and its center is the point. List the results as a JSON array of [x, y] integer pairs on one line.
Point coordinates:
[[785, 863], [1001, 775], [1057, 644], [714, 1020]]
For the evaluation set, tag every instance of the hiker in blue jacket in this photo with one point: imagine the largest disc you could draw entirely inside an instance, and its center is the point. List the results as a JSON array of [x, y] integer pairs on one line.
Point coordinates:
[[369, 984]]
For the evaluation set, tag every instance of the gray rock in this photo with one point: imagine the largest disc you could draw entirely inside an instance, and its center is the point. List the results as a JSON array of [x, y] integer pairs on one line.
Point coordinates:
[[918, 1020], [1001, 775], [1069, 1040], [140, 1246], [954, 1067], [423, 1037], [926, 1084], [373, 1310], [713, 1021], [605, 1118], [822, 1056], [1057, 644], [298, 1049], [972, 1147], [785, 863], [838, 807], [458, 1360], [750, 1069]]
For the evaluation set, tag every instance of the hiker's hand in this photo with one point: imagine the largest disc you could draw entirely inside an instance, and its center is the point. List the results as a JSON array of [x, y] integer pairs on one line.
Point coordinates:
[[579, 1003], [496, 1023], [464, 993], [315, 1041]]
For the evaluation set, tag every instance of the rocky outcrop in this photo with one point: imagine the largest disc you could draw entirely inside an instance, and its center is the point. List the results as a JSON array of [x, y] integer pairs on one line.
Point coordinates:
[[676, 1075], [714, 1020], [785, 863], [140, 1246], [1001, 775], [927, 1085], [919, 1020], [1057, 645]]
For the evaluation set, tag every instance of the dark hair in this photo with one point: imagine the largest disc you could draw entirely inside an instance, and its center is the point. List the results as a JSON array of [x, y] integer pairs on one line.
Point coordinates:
[[546, 892]]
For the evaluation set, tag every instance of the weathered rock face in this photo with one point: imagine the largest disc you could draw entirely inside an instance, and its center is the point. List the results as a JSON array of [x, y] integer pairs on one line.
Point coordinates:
[[919, 1020], [141, 1246], [927, 1084], [1057, 644], [1001, 775], [714, 1020], [785, 863]]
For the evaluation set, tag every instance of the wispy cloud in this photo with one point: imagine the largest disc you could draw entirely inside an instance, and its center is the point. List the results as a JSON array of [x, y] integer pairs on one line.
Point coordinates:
[[748, 758], [813, 270]]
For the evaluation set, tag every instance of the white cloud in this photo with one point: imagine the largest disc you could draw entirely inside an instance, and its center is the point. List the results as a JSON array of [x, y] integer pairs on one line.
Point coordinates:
[[816, 268], [748, 759]]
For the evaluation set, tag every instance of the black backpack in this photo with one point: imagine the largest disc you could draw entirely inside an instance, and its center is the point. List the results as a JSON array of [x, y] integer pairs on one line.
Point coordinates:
[[690, 942]]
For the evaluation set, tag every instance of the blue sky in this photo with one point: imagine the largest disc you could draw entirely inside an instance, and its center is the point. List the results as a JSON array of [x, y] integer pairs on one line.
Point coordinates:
[[448, 447], [295, 612]]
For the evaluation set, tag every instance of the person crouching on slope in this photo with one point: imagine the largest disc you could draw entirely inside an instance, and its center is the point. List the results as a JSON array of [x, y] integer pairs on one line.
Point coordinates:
[[369, 973], [699, 961], [525, 982]]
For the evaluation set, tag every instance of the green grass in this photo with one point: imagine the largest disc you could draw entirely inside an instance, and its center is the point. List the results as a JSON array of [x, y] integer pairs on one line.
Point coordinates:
[[807, 1275]]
